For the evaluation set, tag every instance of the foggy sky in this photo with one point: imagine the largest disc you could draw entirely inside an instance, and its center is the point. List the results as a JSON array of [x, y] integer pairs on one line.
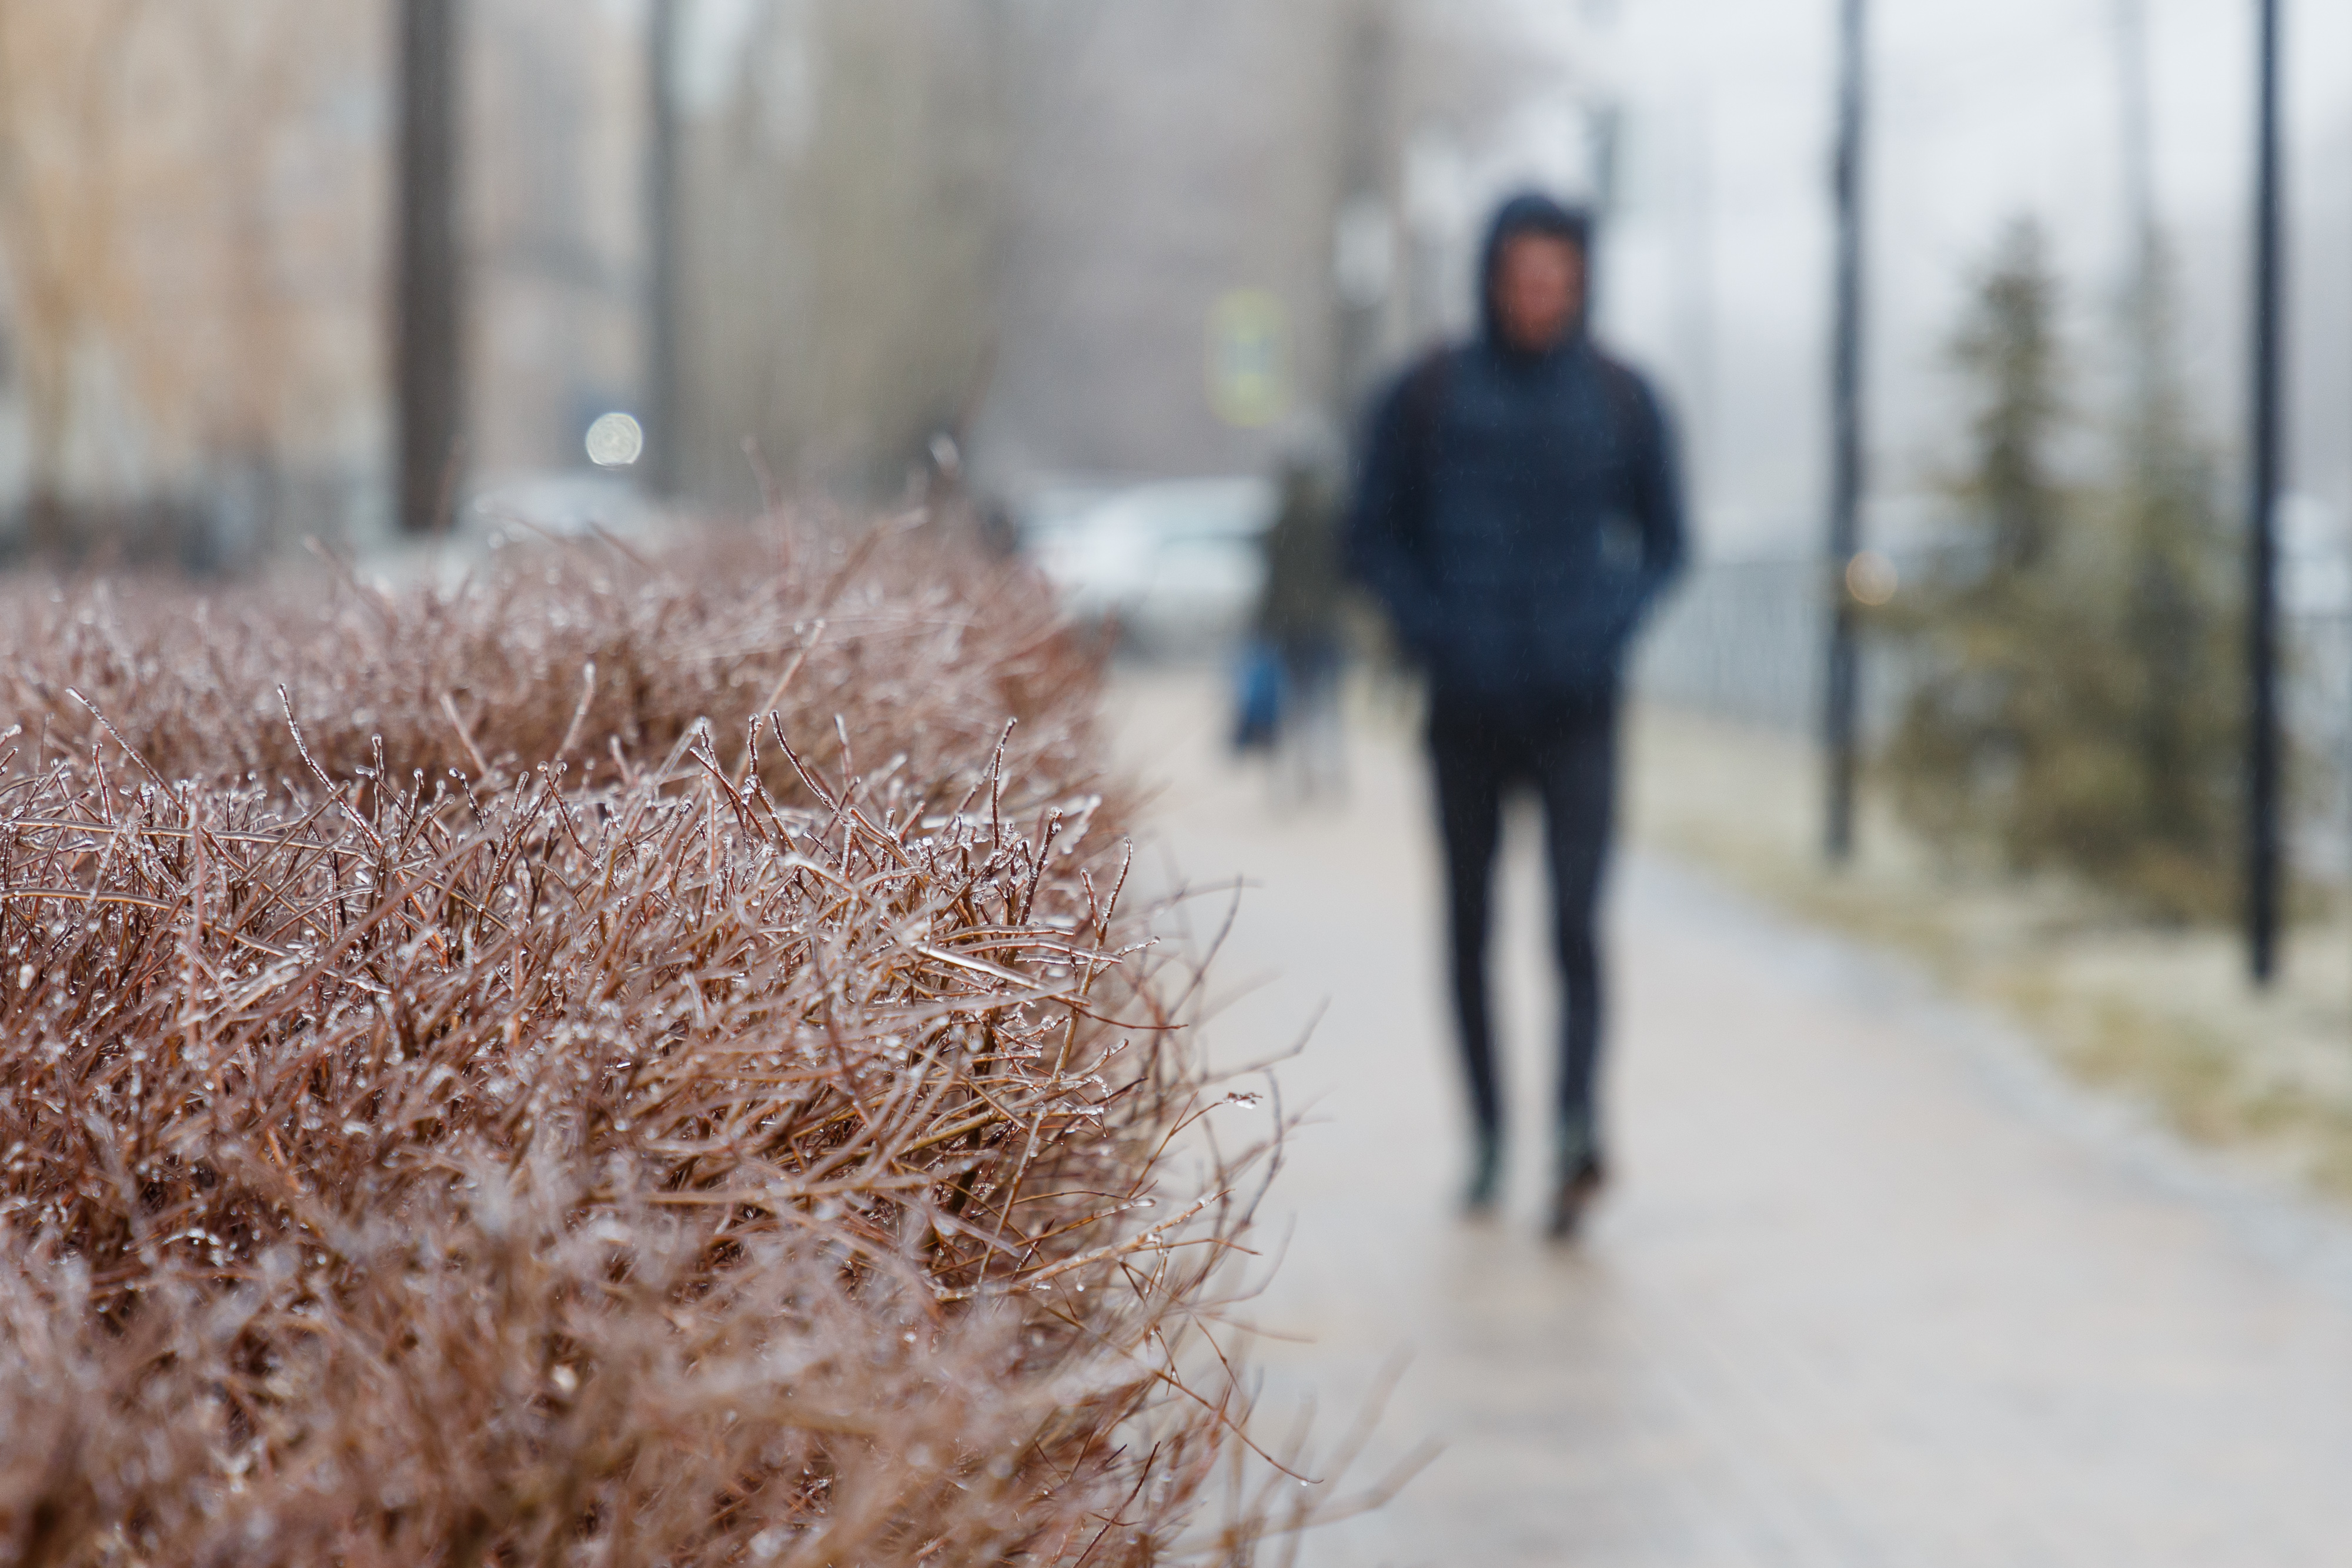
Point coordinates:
[[1717, 269]]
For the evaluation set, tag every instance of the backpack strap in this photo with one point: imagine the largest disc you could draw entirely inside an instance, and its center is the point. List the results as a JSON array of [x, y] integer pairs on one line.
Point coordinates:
[[1422, 406], [1424, 400]]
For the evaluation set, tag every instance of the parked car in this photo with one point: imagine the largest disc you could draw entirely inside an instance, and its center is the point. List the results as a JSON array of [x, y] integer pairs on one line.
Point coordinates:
[[1172, 566]]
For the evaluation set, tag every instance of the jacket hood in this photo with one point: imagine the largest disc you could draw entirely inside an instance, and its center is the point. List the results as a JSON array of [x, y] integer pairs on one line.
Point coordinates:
[[1532, 211]]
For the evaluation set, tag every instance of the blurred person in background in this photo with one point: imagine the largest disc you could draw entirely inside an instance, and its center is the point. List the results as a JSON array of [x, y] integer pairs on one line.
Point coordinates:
[[1518, 510], [1300, 622]]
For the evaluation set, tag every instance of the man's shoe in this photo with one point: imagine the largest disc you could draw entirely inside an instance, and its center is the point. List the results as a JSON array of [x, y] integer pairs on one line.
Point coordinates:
[[1485, 1177], [1578, 1188]]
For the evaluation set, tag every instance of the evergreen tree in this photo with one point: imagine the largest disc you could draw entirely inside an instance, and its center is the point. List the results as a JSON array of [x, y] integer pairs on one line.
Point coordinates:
[[2072, 707], [2179, 629]]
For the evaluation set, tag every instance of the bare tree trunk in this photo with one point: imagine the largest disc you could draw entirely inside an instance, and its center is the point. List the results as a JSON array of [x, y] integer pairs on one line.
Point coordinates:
[[428, 347]]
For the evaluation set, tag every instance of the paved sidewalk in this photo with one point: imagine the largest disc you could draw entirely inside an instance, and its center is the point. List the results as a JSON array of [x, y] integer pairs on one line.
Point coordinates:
[[1873, 1288]]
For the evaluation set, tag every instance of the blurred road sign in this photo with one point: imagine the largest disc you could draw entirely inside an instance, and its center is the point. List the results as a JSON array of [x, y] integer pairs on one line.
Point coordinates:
[[1249, 358]]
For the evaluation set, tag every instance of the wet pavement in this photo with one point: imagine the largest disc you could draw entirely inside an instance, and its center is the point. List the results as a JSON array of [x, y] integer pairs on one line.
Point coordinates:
[[1873, 1286]]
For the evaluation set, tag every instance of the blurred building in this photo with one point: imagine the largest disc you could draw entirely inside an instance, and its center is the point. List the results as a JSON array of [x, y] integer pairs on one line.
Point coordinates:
[[840, 235], [1219, 225], [1020, 226], [186, 194], [194, 237], [1084, 239], [1155, 237]]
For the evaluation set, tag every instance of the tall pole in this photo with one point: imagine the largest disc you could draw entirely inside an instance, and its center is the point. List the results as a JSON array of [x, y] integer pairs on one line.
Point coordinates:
[[2138, 159], [663, 469], [1841, 717], [2261, 587], [428, 306]]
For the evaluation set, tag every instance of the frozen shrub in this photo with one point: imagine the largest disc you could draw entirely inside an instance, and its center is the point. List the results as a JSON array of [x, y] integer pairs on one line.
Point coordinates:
[[748, 1148]]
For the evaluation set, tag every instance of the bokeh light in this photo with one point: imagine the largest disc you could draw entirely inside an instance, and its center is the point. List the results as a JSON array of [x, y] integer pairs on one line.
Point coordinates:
[[615, 441]]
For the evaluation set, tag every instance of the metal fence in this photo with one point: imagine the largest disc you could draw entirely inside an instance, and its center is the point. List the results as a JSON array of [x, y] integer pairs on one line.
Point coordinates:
[[1745, 640]]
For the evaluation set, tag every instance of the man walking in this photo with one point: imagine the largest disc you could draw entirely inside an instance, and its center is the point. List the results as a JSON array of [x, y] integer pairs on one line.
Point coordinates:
[[1518, 511]]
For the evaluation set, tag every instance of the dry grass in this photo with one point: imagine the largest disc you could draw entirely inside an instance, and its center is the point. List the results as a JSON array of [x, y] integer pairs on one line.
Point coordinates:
[[660, 1142]]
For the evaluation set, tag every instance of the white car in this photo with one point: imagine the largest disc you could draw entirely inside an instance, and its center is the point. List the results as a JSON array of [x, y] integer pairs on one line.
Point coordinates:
[[1173, 565]]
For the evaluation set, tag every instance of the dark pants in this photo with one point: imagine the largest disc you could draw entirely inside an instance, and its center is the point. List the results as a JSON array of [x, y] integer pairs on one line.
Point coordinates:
[[1566, 750]]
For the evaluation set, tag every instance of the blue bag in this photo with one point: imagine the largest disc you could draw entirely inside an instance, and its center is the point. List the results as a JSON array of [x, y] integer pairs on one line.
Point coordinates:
[[1258, 697]]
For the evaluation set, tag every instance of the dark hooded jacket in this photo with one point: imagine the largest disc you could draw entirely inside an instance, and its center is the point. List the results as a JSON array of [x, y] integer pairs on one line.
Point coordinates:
[[1517, 512]]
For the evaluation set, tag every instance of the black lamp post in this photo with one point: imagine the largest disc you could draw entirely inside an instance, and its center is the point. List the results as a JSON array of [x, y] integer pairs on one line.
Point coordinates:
[[2262, 557], [1841, 694]]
